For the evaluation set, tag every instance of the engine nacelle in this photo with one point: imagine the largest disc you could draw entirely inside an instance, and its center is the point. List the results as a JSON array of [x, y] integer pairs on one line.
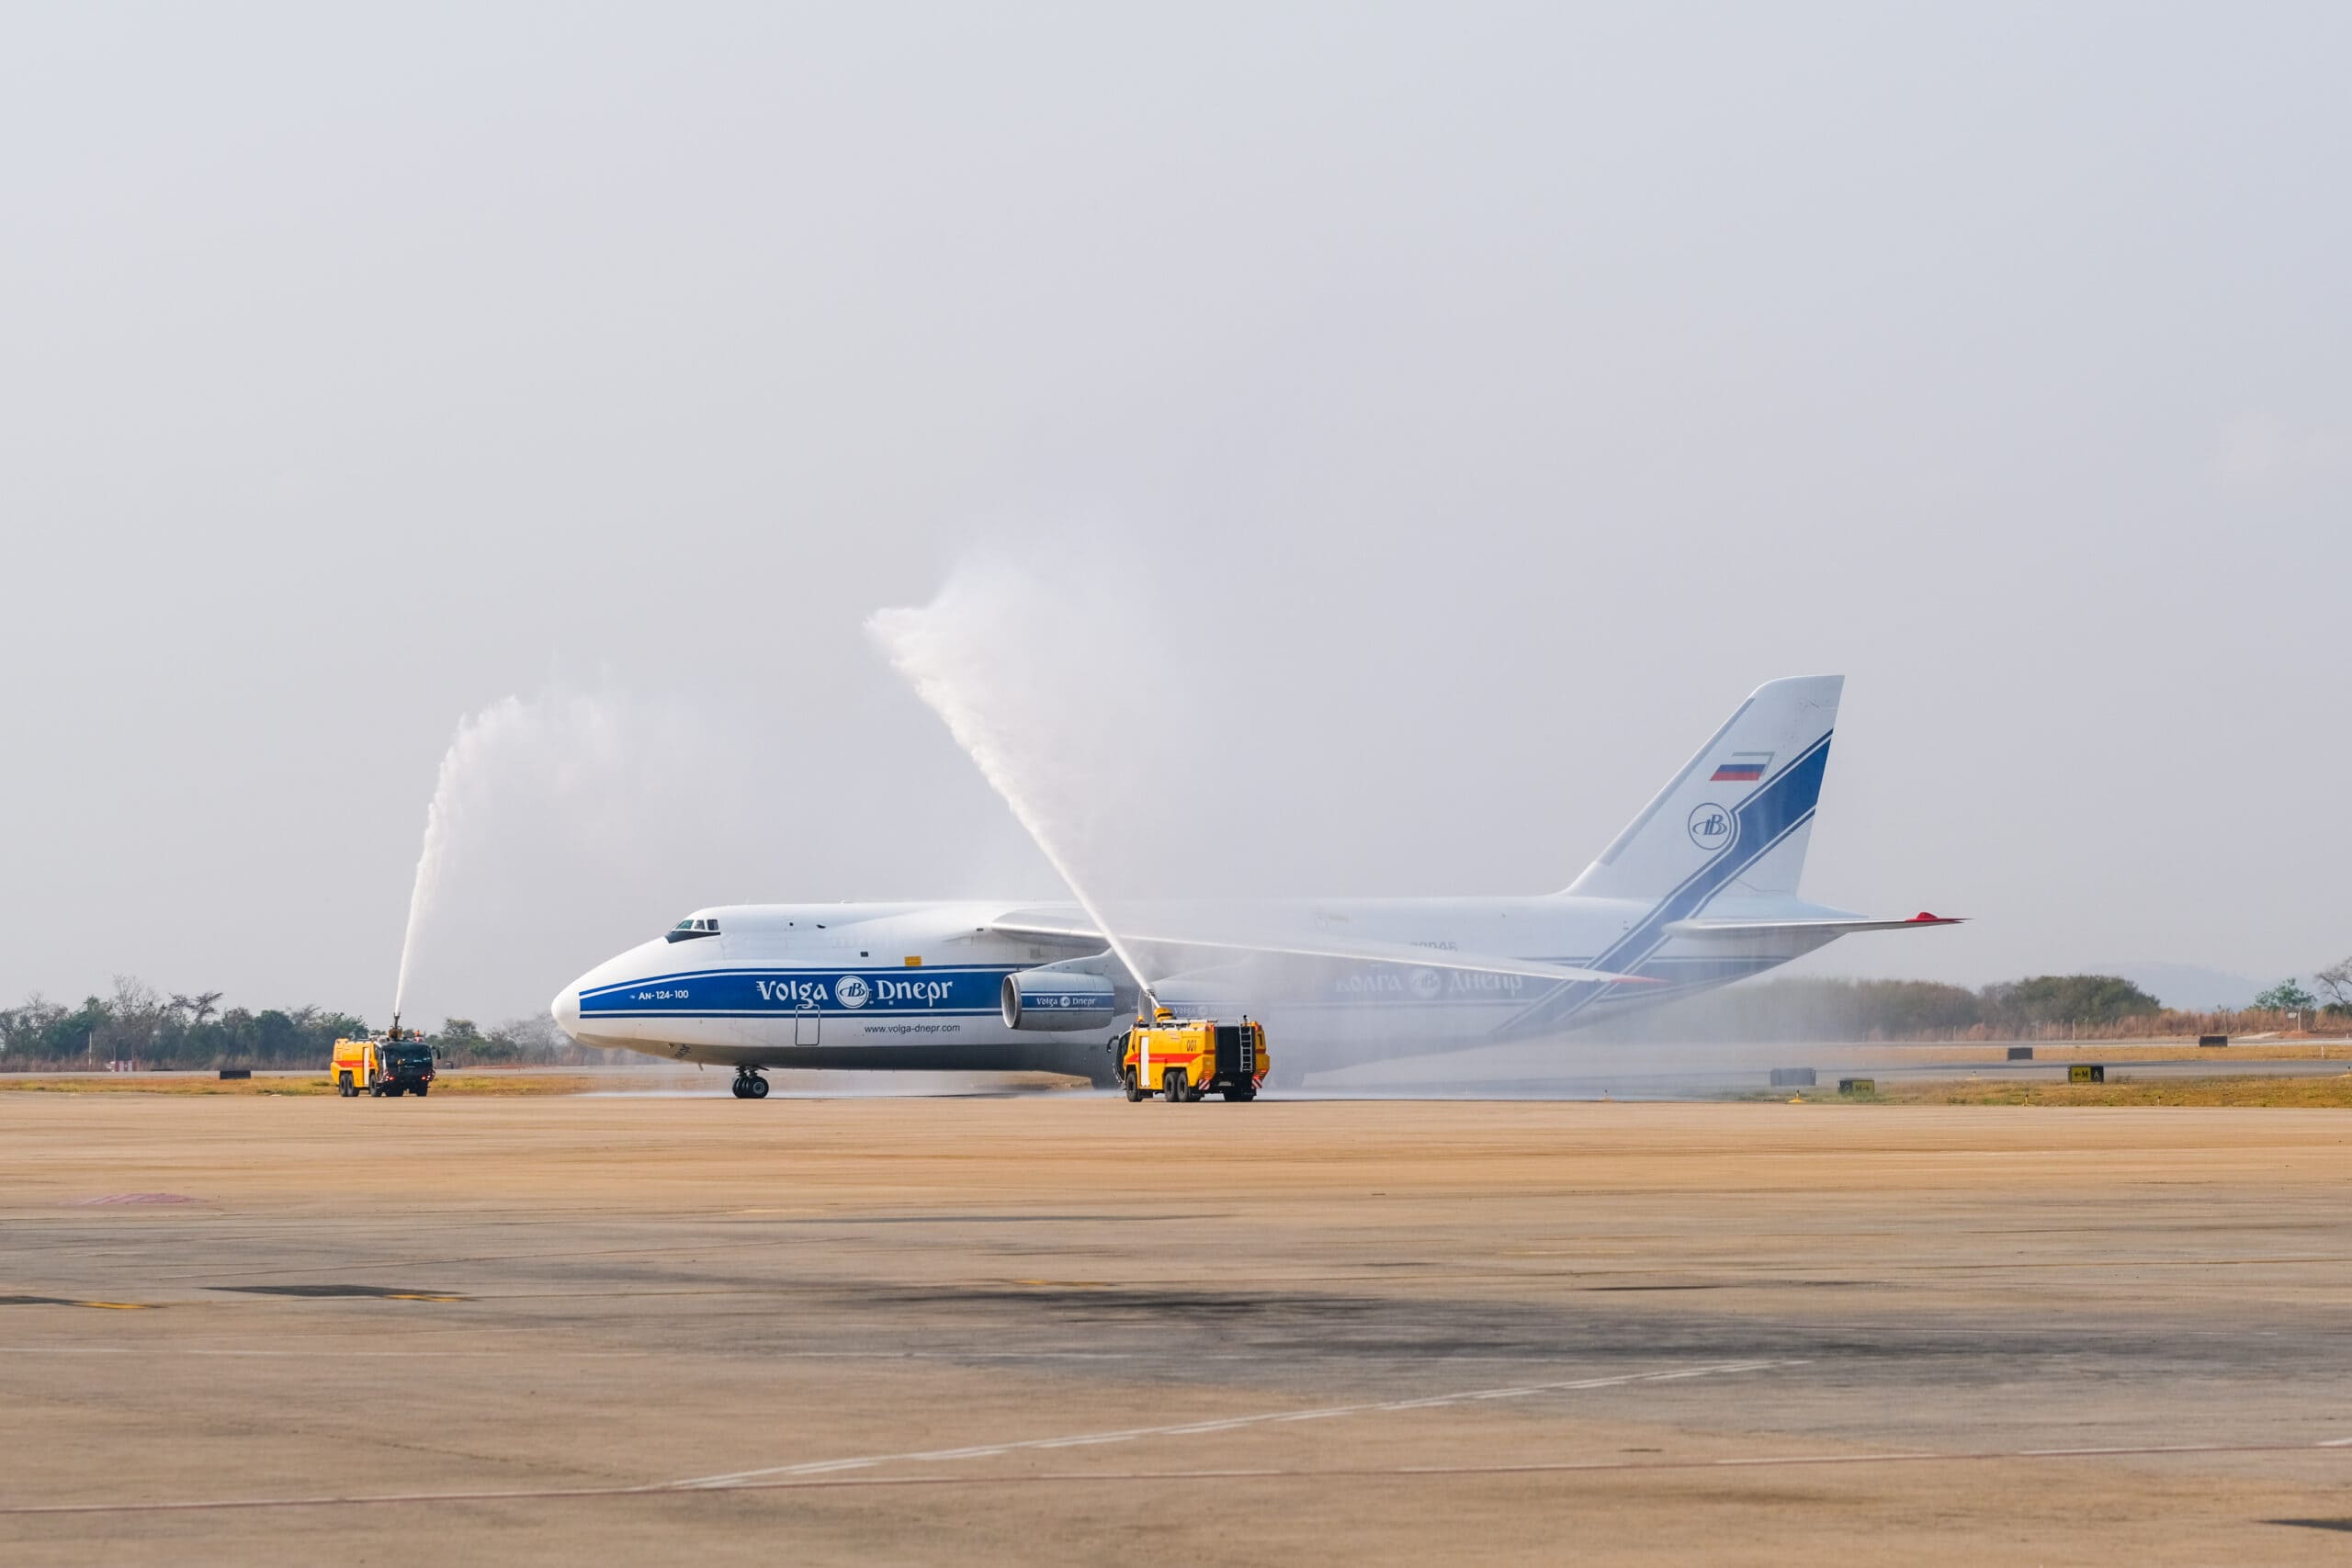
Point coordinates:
[[1057, 998]]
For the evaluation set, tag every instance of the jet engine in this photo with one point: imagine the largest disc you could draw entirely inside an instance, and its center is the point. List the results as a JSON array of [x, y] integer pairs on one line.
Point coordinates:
[[1055, 997]]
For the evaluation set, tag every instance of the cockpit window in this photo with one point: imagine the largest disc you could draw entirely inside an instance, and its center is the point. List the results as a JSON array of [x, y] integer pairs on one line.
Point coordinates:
[[687, 929]]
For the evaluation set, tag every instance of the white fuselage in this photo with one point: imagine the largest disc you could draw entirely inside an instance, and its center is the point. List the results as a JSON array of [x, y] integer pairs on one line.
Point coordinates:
[[918, 985]]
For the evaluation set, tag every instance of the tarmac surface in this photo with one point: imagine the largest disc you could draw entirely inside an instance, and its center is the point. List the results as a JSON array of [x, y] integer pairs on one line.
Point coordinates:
[[1066, 1329]]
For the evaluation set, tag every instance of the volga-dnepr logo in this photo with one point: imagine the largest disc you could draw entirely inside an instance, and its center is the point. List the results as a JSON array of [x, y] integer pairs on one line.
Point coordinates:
[[1710, 826], [855, 991]]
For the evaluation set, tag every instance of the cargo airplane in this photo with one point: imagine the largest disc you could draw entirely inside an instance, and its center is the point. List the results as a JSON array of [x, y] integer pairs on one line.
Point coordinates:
[[1699, 890]]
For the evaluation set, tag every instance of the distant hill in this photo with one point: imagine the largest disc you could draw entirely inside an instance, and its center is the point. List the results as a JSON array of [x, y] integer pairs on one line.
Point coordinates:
[[2189, 987]]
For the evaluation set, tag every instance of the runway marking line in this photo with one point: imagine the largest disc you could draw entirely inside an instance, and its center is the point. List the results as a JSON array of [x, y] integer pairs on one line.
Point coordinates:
[[1099, 1477], [338, 1292], [1225, 1424], [122, 1198]]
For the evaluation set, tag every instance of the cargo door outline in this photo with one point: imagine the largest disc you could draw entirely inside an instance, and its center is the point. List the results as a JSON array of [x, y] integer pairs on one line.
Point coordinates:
[[1231, 1055], [806, 1023]]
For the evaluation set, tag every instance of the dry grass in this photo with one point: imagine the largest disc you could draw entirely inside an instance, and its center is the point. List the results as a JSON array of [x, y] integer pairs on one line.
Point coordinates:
[[499, 1084], [2332, 1049], [2296, 1093]]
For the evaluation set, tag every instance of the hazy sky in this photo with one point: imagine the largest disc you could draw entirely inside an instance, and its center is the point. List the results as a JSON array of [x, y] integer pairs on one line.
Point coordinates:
[[1434, 419]]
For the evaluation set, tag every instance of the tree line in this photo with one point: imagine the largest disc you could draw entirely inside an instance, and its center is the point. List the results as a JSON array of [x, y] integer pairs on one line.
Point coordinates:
[[194, 1032], [2040, 1006]]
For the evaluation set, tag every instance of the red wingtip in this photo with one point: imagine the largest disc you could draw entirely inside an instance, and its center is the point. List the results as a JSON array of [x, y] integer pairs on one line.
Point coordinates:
[[1924, 918]]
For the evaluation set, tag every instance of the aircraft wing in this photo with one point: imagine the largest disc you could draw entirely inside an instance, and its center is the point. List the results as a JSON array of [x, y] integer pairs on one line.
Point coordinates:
[[1828, 927], [1037, 924]]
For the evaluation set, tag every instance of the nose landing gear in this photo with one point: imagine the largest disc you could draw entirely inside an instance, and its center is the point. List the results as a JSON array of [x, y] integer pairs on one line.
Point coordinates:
[[750, 1084]]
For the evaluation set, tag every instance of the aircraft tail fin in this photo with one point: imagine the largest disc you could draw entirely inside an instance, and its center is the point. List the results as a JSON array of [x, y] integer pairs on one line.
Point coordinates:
[[1737, 818]]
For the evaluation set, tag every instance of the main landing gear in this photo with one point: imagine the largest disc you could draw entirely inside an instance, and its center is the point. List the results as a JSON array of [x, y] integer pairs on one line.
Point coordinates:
[[749, 1085]]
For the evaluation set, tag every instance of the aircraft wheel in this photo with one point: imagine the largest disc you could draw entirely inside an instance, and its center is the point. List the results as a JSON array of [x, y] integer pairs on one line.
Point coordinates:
[[759, 1089]]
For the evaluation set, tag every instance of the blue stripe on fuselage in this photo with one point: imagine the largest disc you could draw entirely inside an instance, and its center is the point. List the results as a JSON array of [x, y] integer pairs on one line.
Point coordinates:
[[965, 990]]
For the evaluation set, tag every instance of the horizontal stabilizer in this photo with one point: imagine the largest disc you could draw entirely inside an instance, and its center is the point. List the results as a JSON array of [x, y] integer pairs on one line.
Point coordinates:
[[1830, 927]]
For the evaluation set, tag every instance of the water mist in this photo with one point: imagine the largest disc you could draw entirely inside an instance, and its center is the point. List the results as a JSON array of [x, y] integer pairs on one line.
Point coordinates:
[[563, 748], [938, 648]]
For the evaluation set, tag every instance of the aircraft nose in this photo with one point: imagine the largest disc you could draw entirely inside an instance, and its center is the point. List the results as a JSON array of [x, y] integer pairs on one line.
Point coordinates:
[[565, 1010]]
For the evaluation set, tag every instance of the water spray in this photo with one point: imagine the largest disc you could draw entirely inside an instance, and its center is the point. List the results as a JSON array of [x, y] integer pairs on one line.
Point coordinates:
[[456, 763], [918, 644], [563, 771]]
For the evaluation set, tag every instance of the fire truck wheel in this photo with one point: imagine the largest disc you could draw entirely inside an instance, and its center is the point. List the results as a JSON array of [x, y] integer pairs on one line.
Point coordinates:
[[421, 1088], [1172, 1085], [1134, 1090], [1240, 1094]]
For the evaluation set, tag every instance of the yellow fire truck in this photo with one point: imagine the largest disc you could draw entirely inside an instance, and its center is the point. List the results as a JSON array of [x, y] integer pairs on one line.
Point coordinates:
[[1185, 1058], [382, 1064]]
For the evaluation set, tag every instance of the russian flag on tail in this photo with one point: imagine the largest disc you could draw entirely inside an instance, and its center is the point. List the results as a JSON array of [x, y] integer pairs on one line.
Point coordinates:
[[1744, 767]]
